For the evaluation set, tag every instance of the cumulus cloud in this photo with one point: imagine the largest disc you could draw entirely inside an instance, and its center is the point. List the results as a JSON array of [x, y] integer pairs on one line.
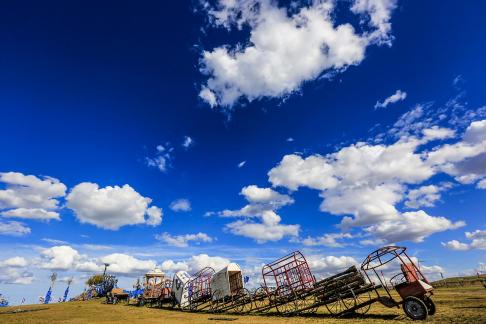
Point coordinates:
[[181, 205], [111, 207], [399, 95], [477, 241], [286, 47], [329, 240], [425, 196], [65, 257], [412, 226], [456, 245], [326, 265], [269, 229], [365, 183], [15, 275], [30, 197], [183, 240], [126, 264], [62, 257], [14, 262], [262, 204], [32, 213], [197, 262], [14, 229]]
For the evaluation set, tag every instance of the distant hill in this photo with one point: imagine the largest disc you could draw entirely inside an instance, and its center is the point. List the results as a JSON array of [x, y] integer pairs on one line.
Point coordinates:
[[461, 281]]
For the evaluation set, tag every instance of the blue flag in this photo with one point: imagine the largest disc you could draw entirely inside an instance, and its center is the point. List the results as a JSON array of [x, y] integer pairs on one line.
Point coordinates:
[[47, 299], [66, 294]]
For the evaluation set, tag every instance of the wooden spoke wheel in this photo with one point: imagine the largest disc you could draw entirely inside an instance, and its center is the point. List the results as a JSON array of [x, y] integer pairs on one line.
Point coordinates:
[[242, 302], [216, 301], [342, 299], [308, 304], [360, 299], [261, 301], [286, 305]]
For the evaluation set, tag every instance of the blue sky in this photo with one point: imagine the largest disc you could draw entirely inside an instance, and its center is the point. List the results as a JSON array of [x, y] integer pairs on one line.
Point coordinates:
[[125, 127]]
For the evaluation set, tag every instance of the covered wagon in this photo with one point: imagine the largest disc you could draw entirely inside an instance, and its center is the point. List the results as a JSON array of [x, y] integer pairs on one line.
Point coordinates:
[[157, 289], [228, 291]]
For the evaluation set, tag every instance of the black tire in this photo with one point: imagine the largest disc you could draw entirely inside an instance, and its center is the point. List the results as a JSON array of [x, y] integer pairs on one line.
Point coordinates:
[[415, 308], [430, 305]]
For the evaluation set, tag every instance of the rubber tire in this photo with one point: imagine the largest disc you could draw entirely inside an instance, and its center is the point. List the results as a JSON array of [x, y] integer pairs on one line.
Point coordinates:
[[430, 305], [413, 304]]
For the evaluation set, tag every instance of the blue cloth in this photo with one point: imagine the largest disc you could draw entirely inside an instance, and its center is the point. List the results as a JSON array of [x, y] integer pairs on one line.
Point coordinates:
[[66, 292], [47, 299]]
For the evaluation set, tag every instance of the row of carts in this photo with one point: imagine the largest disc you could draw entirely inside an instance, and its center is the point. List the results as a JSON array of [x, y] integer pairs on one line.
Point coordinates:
[[290, 288]]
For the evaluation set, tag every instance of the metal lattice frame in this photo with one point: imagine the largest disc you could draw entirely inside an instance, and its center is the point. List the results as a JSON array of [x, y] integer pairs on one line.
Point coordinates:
[[290, 275]]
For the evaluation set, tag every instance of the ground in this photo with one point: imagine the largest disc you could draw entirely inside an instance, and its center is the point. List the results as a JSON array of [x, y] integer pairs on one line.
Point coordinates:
[[454, 305]]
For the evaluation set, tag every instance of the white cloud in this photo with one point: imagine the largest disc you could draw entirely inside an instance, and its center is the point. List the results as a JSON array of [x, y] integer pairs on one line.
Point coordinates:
[[111, 207], [411, 226], [126, 264], [330, 264], [286, 47], [162, 158], [329, 240], [62, 257], [269, 229], [32, 213], [436, 132], [399, 95], [456, 245], [188, 142], [54, 241], [183, 240], [14, 262], [481, 184], [27, 196], [171, 266], [424, 196], [197, 262], [181, 205], [241, 164], [14, 229], [262, 203], [365, 182], [15, 275]]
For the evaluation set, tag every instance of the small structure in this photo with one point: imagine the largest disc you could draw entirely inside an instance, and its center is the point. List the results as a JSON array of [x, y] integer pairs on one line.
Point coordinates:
[[157, 288], [116, 295], [228, 293], [180, 289]]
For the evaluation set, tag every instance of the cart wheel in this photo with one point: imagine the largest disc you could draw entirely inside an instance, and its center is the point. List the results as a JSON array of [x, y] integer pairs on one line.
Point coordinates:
[[430, 305], [286, 305], [242, 301], [342, 299], [304, 302], [415, 308], [260, 300], [115, 300], [216, 301], [141, 302], [360, 299]]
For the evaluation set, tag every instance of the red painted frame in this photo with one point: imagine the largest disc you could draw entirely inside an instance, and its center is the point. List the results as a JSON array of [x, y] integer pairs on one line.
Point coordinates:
[[290, 274]]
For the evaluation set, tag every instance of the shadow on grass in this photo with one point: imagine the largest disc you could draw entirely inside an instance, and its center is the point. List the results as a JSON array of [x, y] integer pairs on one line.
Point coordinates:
[[276, 315], [19, 310]]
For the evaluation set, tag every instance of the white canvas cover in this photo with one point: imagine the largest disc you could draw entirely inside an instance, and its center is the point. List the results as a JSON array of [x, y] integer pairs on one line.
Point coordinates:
[[220, 283], [179, 287]]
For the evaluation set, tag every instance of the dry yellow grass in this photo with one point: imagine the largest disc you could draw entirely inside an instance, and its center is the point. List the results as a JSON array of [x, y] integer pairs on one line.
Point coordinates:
[[454, 305]]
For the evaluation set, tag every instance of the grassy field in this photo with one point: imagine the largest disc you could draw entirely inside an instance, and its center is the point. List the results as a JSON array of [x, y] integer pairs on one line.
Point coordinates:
[[454, 305]]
